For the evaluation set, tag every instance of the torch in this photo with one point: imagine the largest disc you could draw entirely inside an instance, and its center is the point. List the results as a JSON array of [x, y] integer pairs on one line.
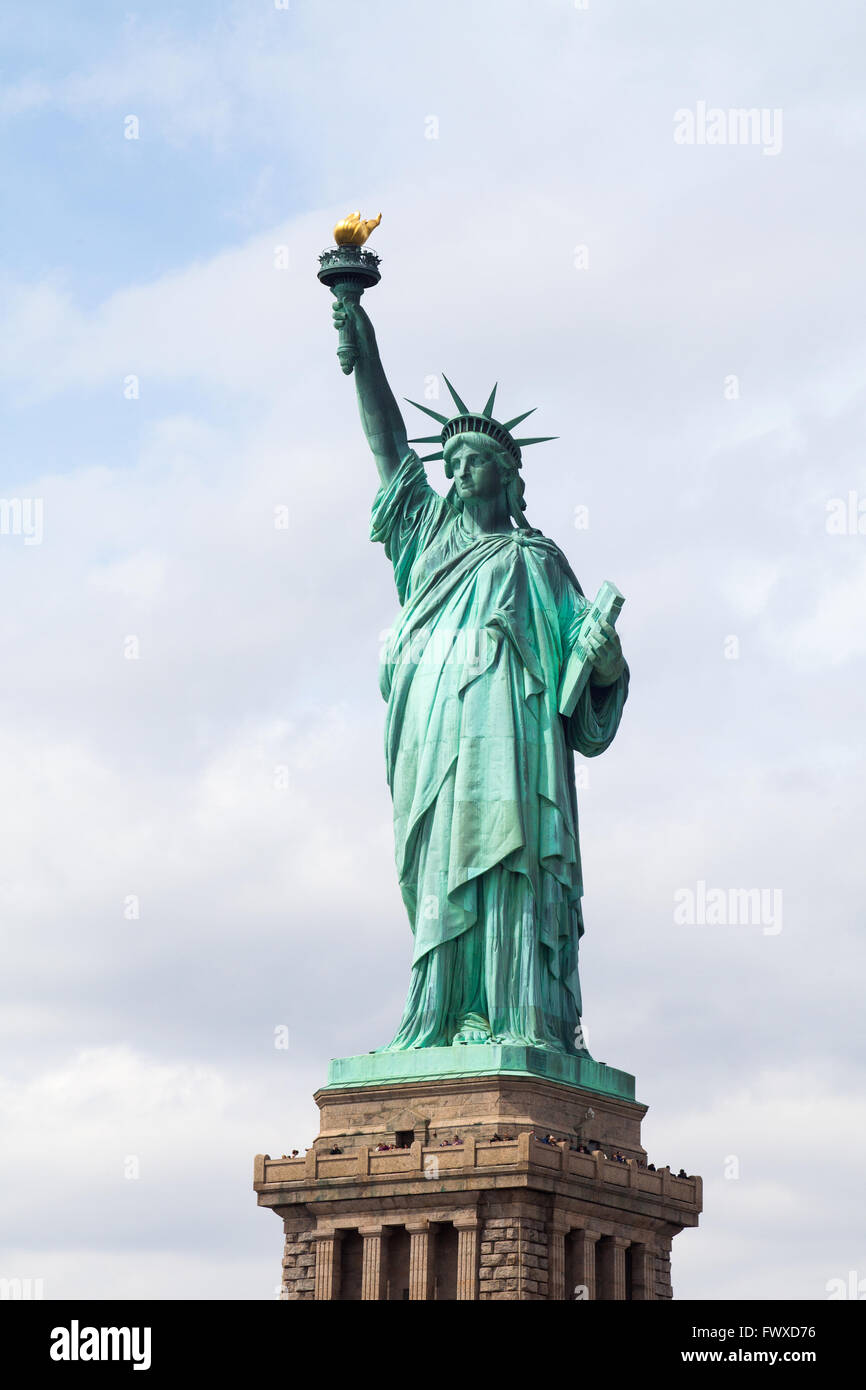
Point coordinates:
[[348, 270]]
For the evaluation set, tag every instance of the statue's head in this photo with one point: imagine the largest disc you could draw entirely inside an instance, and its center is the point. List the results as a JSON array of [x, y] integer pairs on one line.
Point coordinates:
[[481, 454], [481, 468]]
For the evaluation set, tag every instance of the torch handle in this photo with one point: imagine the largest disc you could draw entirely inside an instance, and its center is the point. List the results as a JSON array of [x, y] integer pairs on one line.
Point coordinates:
[[347, 351]]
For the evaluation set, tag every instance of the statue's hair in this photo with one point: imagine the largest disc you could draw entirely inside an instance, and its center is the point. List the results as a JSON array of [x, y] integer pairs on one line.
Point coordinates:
[[512, 480], [515, 487]]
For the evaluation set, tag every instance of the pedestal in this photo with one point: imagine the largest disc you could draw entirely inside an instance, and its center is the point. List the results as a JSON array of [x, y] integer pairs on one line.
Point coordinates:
[[500, 1214]]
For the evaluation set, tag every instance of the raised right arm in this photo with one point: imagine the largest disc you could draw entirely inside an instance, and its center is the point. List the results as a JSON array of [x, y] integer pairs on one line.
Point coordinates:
[[380, 415]]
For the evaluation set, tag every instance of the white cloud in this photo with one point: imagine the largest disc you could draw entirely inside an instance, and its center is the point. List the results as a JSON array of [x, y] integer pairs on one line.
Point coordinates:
[[131, 1133], [833, 632], [768, 1230]]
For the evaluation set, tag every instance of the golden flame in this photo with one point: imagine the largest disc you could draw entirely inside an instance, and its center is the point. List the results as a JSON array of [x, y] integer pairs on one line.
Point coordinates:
[[352, 231]]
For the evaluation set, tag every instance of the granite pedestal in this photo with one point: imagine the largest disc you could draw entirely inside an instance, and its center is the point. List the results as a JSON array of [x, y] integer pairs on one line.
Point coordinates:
[[529, 1204]]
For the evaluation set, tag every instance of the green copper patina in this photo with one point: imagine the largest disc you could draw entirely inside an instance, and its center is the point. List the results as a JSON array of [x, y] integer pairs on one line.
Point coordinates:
[[479, 757], [453, 1063]]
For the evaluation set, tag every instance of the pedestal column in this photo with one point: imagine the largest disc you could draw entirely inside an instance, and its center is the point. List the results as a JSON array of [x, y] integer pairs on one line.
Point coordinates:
[[373, 1262], [612, 1284], [327, 1247], [643, 1273], [420, 1260], [585, 1245], [467, 1257], [557, 1233]]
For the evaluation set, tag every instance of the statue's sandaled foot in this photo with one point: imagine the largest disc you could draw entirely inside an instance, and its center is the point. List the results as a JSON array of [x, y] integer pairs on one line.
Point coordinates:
[[474, 1029]]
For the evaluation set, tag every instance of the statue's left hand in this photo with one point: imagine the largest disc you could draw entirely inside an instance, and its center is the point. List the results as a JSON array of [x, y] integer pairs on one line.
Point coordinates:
[[605, 648]]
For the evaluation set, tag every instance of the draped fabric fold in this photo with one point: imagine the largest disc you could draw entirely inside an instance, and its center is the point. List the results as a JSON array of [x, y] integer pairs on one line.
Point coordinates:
[[480, 768]]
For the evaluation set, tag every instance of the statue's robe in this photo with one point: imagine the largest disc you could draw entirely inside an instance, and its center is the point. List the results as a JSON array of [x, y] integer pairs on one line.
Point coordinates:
[[481, 771]]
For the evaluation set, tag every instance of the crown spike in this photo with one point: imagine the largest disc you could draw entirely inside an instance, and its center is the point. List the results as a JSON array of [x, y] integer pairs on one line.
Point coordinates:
[[539, 439], [434, 414], [426, 439], [461, 405], [509, 424], [428, 457], [487, 412]]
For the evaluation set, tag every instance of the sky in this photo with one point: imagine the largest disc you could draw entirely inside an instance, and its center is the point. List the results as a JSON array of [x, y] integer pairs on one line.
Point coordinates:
[[195, 831]]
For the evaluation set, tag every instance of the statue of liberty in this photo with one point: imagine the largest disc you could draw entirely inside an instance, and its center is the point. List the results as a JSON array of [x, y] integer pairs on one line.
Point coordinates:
[[479, 757]]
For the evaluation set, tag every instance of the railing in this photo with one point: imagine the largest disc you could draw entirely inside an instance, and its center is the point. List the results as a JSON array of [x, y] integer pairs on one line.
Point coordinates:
[[431, 1160]]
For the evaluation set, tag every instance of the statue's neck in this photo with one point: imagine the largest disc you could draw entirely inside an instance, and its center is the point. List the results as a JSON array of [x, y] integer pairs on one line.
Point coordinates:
[[486, 515]]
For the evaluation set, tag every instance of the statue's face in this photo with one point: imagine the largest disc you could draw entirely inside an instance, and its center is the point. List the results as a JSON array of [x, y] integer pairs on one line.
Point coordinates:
[[476, 471]]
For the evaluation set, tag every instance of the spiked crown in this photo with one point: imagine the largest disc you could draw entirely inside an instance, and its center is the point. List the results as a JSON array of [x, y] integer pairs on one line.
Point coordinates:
[[476, 423]]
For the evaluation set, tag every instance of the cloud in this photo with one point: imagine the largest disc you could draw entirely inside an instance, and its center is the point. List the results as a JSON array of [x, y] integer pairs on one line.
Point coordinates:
[[131, 1132], [832, 633], [767, 1230]]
